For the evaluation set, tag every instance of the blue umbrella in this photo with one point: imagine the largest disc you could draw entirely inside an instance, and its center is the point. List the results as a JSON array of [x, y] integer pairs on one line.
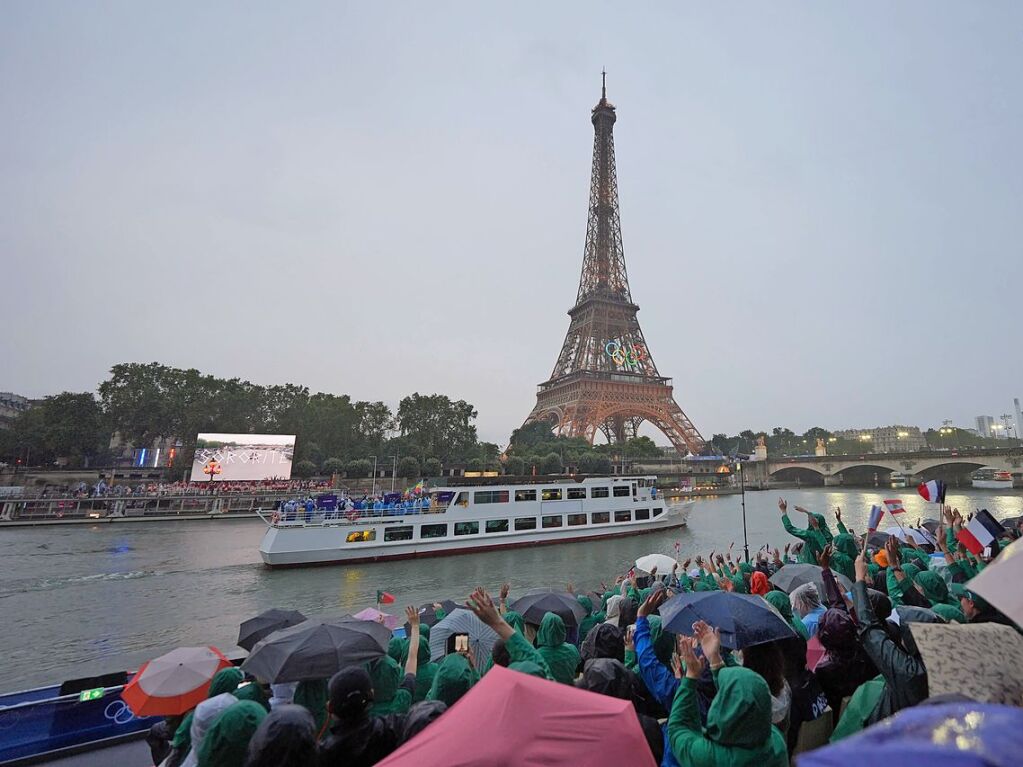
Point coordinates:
[[946, 735], [743, 619]]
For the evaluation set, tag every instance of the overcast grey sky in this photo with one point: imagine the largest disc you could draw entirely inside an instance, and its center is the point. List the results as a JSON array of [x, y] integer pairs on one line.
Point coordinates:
[[820, 202]]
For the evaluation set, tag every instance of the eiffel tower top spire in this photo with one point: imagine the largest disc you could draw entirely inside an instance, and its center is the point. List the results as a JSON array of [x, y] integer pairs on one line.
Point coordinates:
[[603, 273]]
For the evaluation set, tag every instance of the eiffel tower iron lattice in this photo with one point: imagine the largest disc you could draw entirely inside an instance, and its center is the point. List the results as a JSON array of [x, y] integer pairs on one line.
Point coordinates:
[[605, 377]]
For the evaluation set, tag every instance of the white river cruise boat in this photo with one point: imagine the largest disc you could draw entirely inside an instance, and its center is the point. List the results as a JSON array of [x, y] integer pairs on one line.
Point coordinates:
[[464, 519], [991, 479]]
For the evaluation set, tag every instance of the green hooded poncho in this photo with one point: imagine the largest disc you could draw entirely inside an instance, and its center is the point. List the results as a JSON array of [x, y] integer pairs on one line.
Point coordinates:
[[388, 696], [814, 541], [254, 692], [425, 670], [780, 601], [844, 557], [397, 647], [516, 621], [935, 589], [454, 678], [562, 657], [528, 667], [313, 696], [897, 588], [739, 730], [225, 680], [590, 620], [859, 709], [227, 741]]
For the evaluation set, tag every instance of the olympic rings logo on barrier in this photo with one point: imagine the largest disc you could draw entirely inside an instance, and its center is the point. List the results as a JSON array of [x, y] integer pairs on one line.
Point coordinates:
[[118, 712], [624, 354]]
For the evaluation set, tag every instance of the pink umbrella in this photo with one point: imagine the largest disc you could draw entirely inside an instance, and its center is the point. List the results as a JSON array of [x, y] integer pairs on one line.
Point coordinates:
[[814, 652], [373, 614], [510, 718]]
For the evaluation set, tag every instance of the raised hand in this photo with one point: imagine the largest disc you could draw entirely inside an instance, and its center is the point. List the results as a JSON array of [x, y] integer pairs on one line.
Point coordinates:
[[783, 506], [838, 513], [725, 584], [710, 640], [693, 662], [630, 633], [413, 617], [505, 588], [824, 558], [891, 547], [652, 602], [483, 606], [861, 565], [801, 510], [812, 520]]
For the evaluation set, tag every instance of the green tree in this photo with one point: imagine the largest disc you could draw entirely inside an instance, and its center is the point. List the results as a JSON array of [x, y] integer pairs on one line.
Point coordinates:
[[642, 447], [530, 435], [359, 468], [304, 469], [432, 467], [436, 425], [408, 467], [551, 464], [515, 466], [67, 425], [333, 466], [475, 464]]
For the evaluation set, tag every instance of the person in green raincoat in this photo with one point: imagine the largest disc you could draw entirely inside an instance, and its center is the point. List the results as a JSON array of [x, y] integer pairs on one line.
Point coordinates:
[[252, 691], [813, 536], [227, 742], [426, 669], [590, 620], [453, 679], [225, 680], [397, 647], [312, 695], [933, 586], [739, 730], [844, 555], [562, 658], [388, 695], [780, 601]]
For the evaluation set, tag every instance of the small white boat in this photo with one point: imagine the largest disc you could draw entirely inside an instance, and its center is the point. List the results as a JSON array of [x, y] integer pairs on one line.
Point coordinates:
[[898, 479], [992, 479], [464, 519]]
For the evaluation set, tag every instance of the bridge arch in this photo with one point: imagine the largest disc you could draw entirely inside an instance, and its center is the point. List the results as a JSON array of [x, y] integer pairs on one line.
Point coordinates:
[[805, 475], [950, 470]]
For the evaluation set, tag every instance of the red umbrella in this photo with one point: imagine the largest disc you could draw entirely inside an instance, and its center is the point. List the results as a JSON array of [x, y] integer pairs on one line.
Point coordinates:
[[510, 718], [814, 652], [173, 683]]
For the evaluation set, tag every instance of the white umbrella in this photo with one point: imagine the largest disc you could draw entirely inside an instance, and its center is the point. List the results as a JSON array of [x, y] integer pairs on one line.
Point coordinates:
[[662, 562], [998, 583]]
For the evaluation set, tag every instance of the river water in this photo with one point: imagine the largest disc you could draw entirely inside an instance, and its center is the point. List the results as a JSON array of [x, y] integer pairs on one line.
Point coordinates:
[[78, 600]]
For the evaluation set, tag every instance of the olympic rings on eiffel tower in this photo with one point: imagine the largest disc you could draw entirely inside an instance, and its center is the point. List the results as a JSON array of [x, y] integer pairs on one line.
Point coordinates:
[[624, 354]]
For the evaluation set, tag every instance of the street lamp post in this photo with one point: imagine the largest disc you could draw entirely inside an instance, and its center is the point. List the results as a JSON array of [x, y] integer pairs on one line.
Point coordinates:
[[394, 470], [742, 491], [374, 490]]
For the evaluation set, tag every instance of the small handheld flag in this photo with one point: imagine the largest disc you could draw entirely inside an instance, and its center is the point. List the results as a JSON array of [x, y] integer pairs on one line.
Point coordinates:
[[894, 506], [933, 491], [383, 598], [980, 532], [876, 512]]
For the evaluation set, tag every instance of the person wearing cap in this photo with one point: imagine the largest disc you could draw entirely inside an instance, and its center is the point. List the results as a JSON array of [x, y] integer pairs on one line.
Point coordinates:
[[977, 609]]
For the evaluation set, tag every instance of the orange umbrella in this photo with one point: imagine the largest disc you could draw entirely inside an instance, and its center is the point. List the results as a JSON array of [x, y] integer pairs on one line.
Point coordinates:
[[173, 683]]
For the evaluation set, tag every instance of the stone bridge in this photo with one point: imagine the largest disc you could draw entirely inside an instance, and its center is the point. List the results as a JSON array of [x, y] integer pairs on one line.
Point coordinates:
[[919, 466]]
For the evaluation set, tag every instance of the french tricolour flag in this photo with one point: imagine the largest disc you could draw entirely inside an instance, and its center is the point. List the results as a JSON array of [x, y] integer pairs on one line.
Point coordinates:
[[980, 532], [894, 506], [876, 512], [933, 491]]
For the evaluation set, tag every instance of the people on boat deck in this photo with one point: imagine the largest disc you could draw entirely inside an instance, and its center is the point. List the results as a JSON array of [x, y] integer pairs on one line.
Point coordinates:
[[694, 701]]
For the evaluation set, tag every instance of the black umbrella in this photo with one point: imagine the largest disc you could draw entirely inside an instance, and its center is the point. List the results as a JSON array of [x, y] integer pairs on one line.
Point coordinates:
[[316, 649], [791, 577], [877, 540], [533, 605], [930, 525], [428, 613], [743, 619], [266, 623]]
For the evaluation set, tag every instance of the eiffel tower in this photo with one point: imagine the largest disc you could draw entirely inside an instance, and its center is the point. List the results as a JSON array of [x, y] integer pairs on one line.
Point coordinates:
[[605, 377]]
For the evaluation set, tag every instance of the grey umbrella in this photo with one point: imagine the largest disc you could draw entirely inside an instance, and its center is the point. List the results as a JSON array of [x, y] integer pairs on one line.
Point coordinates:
[[460, 621], [316, 649], [533, 605], [266, 623], [791, 577]]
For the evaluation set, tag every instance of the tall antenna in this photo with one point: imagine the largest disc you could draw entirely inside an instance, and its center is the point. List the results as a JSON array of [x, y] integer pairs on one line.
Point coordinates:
[[603, 85]]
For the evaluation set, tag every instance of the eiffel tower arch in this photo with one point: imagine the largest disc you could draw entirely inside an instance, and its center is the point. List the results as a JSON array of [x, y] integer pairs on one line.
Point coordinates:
[[605, 378]]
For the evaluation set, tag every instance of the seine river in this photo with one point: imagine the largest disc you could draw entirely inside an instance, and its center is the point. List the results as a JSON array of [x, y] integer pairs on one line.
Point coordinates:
[[78, 600]]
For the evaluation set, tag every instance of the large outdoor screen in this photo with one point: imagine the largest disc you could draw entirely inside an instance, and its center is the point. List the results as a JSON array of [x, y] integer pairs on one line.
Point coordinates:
[[242, 457]]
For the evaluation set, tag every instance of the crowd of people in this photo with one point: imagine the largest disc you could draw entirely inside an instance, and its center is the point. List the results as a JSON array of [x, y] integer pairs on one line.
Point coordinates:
[[127, 489], [698, 702]]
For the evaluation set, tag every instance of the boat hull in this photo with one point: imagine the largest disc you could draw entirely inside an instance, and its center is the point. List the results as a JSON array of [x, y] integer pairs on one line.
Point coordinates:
[[993, 484], [307, 546]]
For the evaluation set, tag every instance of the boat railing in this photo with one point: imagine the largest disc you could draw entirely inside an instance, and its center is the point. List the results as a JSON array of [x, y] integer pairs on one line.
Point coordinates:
[[137, 506], [328, 517]]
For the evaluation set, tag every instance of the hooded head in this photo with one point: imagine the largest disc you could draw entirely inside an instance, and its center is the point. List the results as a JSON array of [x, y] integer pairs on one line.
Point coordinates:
[[663, 641], [780, 601], [385, 674], [614, 608], [396, 647], [837, 633], [227, 741], [454, 678], [286, 738], [608, 677], [252, 691], [932, 586], [200, 722], [911, 570], [420, 715], [552, 631], [627, 611], [740, 714], [881, 604], [351, 694], [758, 584], [312, 696], [586, 602], [604, 641], [515, 620], [846, 544], [805, 599], [226, 680]]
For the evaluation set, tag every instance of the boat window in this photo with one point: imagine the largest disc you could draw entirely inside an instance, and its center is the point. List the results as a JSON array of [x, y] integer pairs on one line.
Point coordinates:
[[467, 528], [658, 512], [642, 514], [525, 495], [554, 521], [525, 523], [576, 519], [490, 496], [463, 499], [497, 526], [433, 531], [598, 492], [576, 493], [403, 533], [551, 494], [621, 491], [360, 536], [600, 517], [623, 516]]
